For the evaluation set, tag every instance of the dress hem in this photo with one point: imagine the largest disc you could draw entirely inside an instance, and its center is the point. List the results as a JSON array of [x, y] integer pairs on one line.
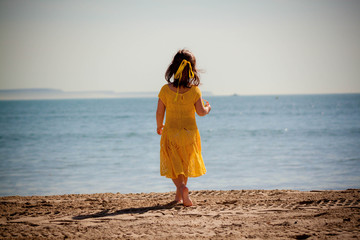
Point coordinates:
[[164, 175]]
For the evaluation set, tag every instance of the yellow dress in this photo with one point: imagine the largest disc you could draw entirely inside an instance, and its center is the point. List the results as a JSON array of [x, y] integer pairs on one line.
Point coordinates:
[[180, 145]]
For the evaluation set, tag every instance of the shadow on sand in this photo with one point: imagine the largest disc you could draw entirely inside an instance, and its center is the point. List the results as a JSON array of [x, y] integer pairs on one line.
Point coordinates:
[[141, 210]]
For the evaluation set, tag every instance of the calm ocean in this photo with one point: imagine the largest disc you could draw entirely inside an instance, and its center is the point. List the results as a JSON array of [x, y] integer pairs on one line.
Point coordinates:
[[302, 142]]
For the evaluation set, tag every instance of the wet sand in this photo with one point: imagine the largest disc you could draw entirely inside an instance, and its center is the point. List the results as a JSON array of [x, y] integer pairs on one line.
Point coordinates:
[[254, 214]]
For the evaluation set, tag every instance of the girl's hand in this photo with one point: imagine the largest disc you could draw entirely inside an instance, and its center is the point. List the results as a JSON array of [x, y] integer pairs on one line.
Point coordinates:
[[160, 129], [202, 107], [207, 105]]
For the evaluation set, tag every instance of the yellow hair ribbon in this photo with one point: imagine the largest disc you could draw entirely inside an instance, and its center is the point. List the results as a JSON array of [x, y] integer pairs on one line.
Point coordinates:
[[178, 74]]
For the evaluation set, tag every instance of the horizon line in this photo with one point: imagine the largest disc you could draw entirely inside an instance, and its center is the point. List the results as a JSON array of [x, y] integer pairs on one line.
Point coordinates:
[[59, 94]]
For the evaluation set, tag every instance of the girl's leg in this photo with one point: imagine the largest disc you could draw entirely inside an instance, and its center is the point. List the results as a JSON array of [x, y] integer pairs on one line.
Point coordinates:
[[182, 192], [178, 197]]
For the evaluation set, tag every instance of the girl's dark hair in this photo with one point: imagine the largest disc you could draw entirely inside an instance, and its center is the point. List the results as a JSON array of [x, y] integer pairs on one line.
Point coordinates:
[[185, 81]]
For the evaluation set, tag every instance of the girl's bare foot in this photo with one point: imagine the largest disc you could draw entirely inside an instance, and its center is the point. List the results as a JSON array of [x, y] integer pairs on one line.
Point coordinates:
[[185, 196]]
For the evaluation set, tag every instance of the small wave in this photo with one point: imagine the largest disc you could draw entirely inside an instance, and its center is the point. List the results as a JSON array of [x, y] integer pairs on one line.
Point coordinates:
[[351, 160], [122, 117]]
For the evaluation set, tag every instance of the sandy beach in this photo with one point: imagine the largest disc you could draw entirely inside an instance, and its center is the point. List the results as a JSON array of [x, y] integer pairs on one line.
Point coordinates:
[[254, 214]]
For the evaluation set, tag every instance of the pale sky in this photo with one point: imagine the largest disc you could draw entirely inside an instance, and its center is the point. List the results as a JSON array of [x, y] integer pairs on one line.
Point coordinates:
[[244, 47]]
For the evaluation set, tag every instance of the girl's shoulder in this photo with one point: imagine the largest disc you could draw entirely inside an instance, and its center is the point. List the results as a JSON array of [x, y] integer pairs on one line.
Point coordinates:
[[196, 89], [165, 88], [163, 93]]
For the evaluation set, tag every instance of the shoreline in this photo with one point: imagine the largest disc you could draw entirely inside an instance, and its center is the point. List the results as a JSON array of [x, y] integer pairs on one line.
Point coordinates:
[[233, 214], [173, 192]]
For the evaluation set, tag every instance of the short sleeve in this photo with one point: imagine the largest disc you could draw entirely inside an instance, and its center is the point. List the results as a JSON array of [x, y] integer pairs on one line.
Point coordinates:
[[197, 94], [162, 94]]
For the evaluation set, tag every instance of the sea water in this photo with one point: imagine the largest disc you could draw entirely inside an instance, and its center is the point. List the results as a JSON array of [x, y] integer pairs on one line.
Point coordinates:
[[302, 142]]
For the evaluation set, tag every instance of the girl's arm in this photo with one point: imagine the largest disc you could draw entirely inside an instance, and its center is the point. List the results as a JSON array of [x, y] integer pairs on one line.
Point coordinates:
[[202, 110], [160, 112]]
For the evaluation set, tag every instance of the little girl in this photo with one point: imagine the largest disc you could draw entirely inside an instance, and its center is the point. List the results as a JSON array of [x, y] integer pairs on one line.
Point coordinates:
[[180, 146]]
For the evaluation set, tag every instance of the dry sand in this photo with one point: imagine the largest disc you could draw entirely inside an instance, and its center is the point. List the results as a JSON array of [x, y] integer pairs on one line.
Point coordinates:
[[256, 214]]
